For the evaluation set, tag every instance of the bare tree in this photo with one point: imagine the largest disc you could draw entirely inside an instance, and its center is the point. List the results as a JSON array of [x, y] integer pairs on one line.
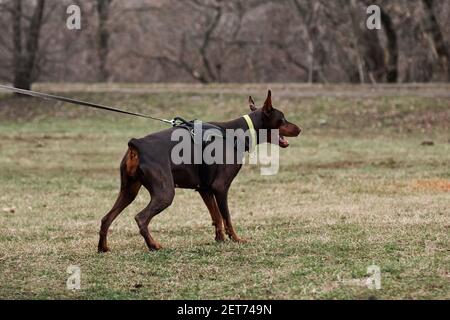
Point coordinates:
[[308, 11], [373, 60], [25, 50], [103, 35], [371, 56], [219, 41], [202, 64], [392, 46], [211, 71], [436, 34]]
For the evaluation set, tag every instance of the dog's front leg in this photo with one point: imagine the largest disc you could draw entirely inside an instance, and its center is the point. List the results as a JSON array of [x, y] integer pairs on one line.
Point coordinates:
[[210, 202], [222, 202]]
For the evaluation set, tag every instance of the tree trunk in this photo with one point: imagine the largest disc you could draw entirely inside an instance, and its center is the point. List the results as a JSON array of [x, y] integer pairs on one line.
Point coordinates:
[[374, 56], [438, 39], [103, 38], [317, 54], [25, 58], [368, 47], [392, 47], [17, 41], [372, 53]]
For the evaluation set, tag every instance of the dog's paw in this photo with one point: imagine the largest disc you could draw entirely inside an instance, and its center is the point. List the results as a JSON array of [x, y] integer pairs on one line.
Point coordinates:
[[103, 249], [240, 240], [220, 237], [155, 246]]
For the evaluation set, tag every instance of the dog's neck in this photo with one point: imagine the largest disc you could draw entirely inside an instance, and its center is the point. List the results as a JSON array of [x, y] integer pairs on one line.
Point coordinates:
[[240, 123]]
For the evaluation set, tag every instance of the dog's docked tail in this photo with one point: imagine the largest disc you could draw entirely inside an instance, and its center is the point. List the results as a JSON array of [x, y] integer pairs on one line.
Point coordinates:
[[132, 158]]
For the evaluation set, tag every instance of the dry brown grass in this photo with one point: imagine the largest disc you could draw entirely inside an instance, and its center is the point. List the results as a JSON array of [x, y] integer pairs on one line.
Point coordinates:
[[348, 195]]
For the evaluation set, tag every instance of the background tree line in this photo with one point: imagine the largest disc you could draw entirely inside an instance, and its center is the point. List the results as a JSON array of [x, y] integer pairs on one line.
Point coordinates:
[[224, 41]]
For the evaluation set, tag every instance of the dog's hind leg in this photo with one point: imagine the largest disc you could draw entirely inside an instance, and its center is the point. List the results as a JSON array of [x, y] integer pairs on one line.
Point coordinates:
[[162, 191], [210, 202], [129, 188]]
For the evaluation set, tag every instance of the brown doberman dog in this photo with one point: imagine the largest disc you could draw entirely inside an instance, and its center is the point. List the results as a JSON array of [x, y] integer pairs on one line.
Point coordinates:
[[148, 162]]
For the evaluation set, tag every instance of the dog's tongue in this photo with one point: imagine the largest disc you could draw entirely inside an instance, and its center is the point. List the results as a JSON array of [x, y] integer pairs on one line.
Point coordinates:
[[283, 141]]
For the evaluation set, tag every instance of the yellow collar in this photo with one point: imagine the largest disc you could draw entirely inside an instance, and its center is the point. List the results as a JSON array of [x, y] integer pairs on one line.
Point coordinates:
[[252, 132]]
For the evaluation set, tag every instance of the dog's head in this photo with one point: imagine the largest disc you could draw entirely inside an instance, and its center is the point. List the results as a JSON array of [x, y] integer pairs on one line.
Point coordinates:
[[273, 118]]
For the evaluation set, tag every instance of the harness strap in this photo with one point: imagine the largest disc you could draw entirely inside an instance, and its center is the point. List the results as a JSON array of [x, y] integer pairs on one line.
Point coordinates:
[[205, 128], [251, 127]]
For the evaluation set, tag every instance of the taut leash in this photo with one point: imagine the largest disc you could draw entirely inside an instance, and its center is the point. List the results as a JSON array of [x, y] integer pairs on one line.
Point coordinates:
[[47, 96], [175, 122]]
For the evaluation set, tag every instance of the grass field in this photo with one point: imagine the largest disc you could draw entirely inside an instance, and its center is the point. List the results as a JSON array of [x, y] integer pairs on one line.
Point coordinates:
[[357, 188]]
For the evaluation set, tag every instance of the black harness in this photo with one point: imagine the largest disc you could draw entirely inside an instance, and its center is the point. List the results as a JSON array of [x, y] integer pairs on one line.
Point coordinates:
[[206, 129]]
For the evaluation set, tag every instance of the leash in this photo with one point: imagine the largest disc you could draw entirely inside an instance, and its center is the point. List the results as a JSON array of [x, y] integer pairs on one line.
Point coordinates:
[[175, 121]]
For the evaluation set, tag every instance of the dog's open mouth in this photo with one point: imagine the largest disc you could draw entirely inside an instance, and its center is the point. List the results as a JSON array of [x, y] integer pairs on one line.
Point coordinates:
[[282, 141]]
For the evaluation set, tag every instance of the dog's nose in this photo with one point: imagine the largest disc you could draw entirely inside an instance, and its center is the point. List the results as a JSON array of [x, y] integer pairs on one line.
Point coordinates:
[[298, 130]]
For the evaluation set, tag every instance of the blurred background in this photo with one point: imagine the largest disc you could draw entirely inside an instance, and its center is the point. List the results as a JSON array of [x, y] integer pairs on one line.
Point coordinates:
[[204, 41]]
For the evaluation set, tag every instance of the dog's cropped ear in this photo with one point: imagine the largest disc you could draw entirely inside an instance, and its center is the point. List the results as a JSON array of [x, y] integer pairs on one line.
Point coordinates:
[[251, 103], [268, 103]]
